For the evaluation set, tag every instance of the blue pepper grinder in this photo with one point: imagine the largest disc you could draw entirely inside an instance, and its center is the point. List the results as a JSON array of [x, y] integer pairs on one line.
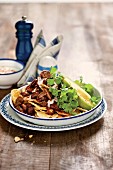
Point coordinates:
[[24, 34]]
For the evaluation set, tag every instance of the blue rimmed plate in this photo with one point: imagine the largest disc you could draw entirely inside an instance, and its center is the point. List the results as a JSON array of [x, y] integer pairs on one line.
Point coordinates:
[[12, 117]]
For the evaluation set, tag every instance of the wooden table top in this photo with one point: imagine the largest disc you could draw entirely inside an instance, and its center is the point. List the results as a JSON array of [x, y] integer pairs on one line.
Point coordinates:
[[87, 50]]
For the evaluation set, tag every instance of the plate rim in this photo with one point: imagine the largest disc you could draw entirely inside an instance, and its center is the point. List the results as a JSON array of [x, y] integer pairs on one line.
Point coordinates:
[[30, 126]]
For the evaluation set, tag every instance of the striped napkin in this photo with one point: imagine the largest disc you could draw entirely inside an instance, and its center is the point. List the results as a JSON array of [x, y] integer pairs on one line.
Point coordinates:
[[40, 50]]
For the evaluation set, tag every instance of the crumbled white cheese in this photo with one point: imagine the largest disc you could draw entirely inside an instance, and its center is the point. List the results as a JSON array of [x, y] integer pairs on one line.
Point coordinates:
[[55, 99], [34, 90], [40, 81], [50, 102], [55, 86]]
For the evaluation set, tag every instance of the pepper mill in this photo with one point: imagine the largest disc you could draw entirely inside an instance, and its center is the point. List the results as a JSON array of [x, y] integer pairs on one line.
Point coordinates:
[[24, 34]]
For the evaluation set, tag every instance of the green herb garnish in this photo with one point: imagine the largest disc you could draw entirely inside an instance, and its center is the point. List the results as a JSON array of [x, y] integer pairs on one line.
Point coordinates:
[[95, 99], [67, 98], [89, 89]]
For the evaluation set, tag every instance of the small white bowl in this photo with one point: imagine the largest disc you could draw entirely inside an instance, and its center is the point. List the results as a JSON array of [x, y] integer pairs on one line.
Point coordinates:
[[8, 79], [57, 121]]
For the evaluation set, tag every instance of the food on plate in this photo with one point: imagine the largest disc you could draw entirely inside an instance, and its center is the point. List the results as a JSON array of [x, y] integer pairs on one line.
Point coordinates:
[[15, 94], [84, 98], [53, 95]]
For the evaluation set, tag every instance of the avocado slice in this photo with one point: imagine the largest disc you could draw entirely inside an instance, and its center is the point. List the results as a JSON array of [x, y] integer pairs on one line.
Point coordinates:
[[85, 104], [84, 97]]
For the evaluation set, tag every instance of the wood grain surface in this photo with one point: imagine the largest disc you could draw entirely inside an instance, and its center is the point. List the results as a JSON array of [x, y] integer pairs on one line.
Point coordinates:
[[87, 50]]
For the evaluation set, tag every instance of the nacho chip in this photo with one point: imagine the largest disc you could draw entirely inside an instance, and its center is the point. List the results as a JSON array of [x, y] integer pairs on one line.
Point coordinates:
[[37, 107], [41, 114], [54, 115], [15, 94], [81, 109], [62, 113]]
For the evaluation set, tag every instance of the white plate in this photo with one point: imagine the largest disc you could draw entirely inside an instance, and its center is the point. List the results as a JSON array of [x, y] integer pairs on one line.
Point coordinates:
[[12, 117]]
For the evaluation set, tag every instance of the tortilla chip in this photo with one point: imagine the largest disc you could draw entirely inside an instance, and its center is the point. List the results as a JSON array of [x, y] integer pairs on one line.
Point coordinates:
[[37, 107], [81, 109], [15, 94], [54, 115], [62, 113], [42, 114]]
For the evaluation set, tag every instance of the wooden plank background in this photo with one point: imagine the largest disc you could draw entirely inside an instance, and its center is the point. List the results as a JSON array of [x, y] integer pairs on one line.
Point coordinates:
[[87, 50]]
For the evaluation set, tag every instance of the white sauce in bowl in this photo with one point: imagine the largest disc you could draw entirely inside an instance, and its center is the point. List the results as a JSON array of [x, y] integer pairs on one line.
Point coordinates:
[[5, 70]]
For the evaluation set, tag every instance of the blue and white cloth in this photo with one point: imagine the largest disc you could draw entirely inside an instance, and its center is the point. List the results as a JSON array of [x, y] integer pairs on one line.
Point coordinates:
[[40, 50]]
